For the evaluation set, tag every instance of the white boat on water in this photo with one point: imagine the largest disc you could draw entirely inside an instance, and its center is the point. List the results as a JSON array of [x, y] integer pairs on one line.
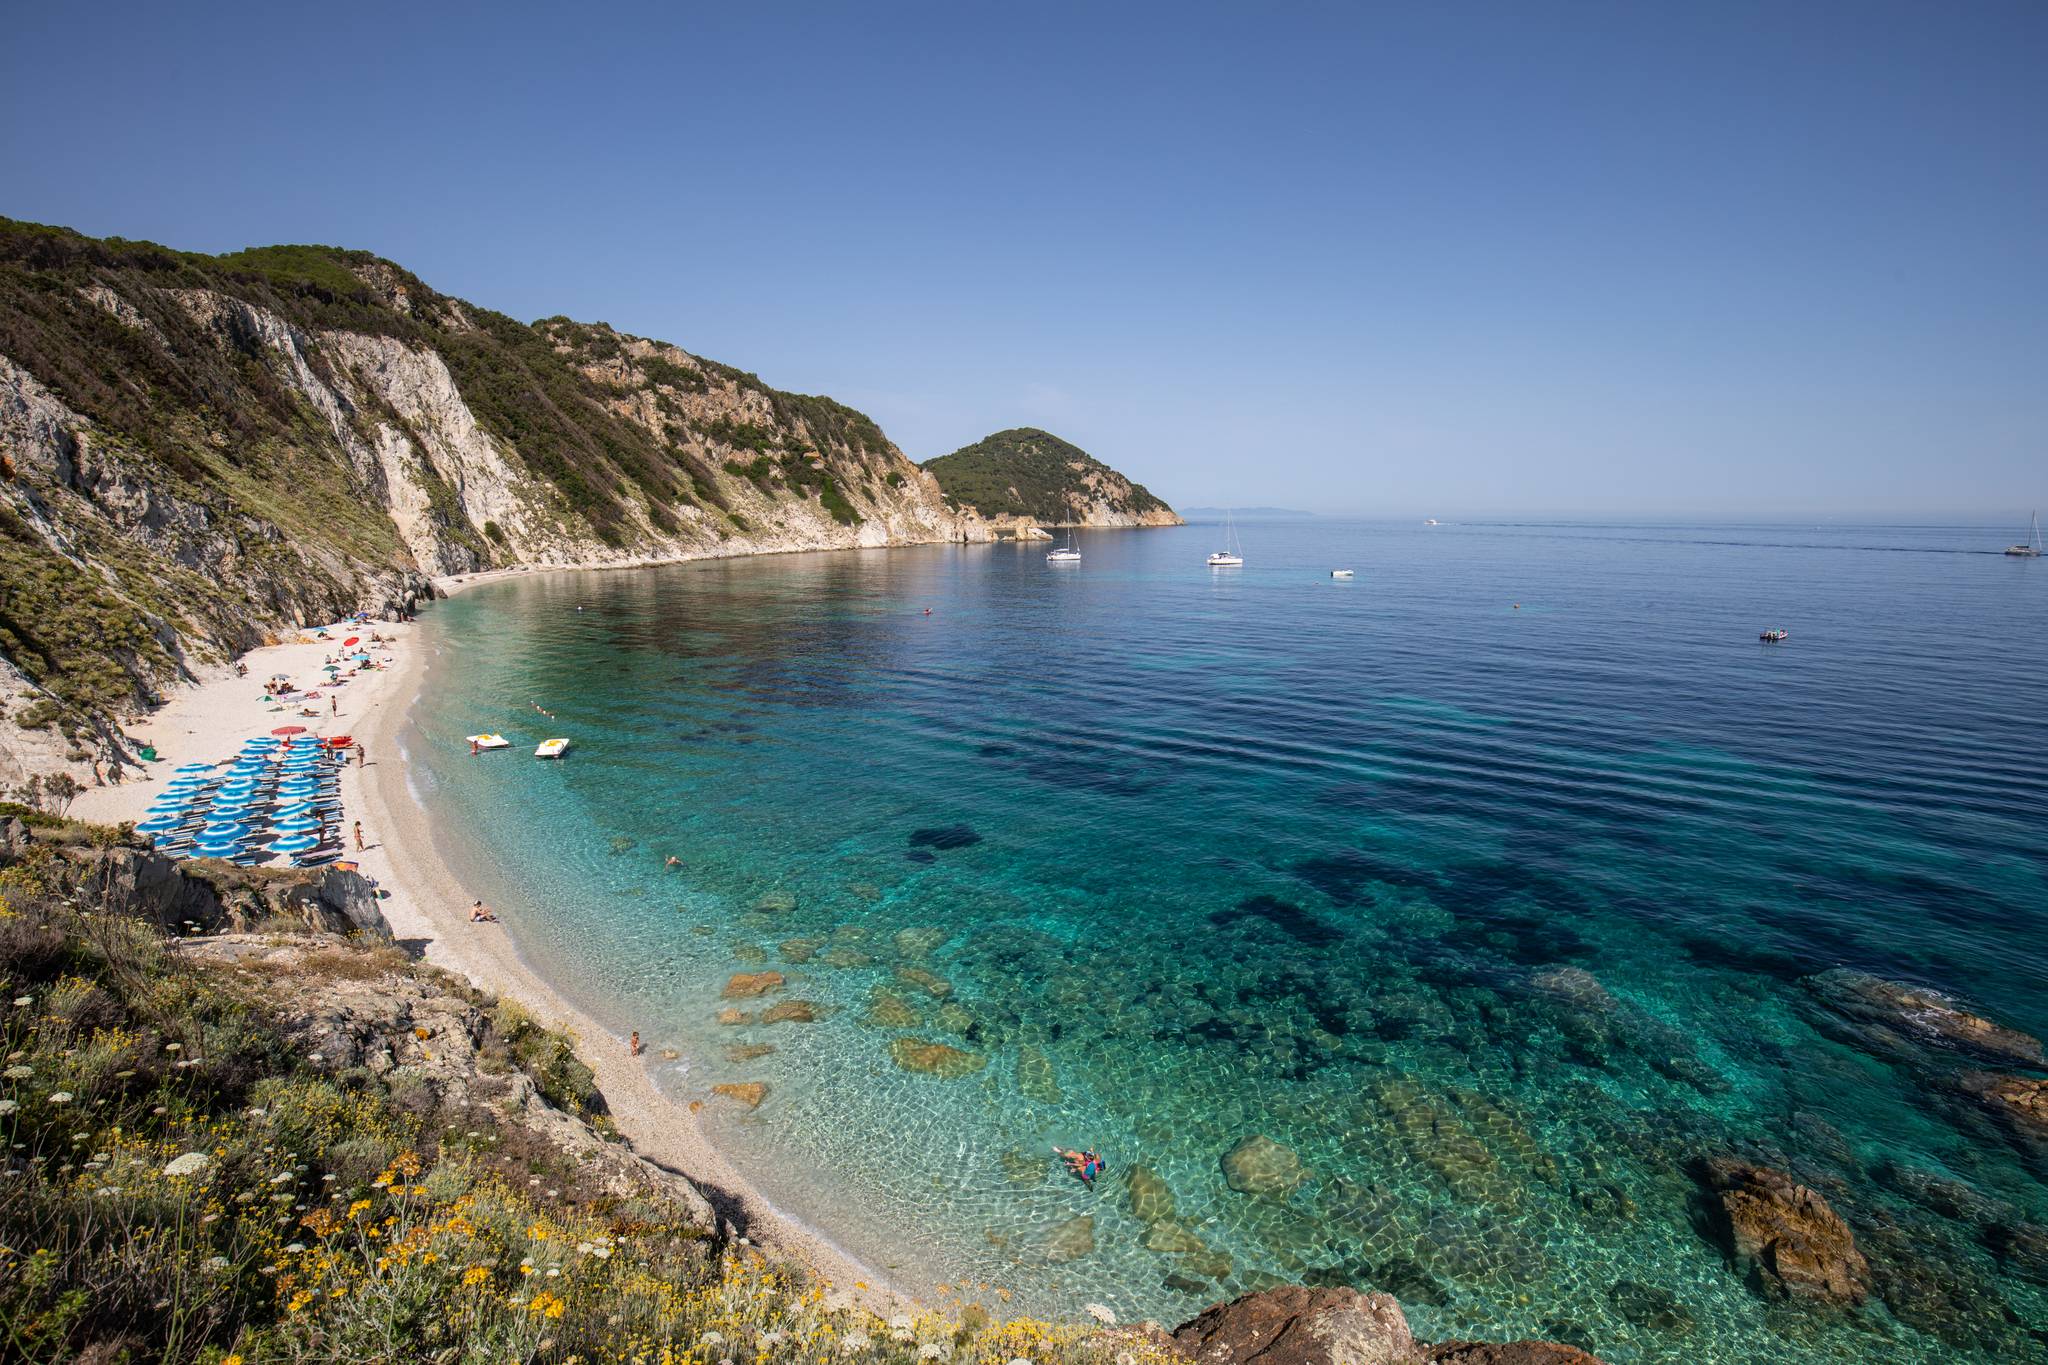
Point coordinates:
[[1340, 573], [1432, 522], [490, 741], [1064, 554], [552, 748], [2029, 549], [1231, 556]]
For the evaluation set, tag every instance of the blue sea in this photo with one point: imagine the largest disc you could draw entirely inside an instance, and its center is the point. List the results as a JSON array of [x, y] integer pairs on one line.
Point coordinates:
[[1489, 884]]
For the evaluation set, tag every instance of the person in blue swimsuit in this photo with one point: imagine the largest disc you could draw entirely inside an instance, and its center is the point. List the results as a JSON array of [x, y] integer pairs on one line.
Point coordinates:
[[1085, 1165]]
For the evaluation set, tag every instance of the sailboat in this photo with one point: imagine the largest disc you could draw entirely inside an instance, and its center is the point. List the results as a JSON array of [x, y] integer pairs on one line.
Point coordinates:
[[1064, 554], [1231, 556], [2030, 549]]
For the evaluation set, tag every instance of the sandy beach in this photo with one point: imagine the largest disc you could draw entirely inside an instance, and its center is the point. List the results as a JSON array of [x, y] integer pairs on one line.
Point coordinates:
[[428, 908]]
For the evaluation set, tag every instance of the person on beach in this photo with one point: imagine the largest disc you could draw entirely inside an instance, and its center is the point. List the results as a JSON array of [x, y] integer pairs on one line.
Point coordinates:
[[1085, 1165], [359, 755], [359, 836], [481, 914], [635, 1044], [674, 861]]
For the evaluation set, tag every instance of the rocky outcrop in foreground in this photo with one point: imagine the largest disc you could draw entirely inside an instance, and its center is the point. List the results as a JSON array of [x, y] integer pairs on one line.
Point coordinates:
[[1294, 1325], [1793, 1245]]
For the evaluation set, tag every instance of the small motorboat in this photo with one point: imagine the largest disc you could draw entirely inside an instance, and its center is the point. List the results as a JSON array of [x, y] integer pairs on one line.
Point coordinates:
[[552, 748], [490, 741], [1775, 635], [1340, 573]]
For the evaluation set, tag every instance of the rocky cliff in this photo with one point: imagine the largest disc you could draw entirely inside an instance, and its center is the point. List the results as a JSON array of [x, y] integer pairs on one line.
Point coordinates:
[[1032, 474], [198, 451]]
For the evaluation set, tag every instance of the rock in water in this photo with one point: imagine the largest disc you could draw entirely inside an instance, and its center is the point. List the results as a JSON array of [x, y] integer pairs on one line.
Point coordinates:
[[1795, 1246], [1020, 1169], [1071, 1240], [1259, 1165], [749, 1093], [918, 942], [775, 903], [746, 984], [2022, 1102], [747, 1052], [1293, 1325], [886, 1009], [917, 978], [945, 836], [791, 1012], [1035, 1080], [1151, 1198], [1885, 1012], [799, 950], [935, 1059]]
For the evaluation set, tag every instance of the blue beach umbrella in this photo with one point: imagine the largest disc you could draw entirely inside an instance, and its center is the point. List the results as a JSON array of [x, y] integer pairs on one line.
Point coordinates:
[[300, 843], [194, 768], [160, 826], [219, 848], [224, 829], [291, 827], [168, 802]]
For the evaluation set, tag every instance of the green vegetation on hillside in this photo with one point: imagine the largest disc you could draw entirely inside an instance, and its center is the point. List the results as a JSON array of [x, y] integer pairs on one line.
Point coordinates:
[[1031, 473]]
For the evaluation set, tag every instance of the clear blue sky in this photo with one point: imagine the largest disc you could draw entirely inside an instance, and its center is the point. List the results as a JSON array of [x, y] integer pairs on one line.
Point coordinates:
[[1445, 257]]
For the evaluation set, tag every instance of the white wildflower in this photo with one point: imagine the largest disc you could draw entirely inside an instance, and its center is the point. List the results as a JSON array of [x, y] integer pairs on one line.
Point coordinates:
[[713, 1339], [1101, 1312], [931, 1350], [280, 1177], [18, 1072], [854, 1341], [61, 1097], [22, 1002], [215, 1263], [297, 1248], [901, 1322], [7, 1107]]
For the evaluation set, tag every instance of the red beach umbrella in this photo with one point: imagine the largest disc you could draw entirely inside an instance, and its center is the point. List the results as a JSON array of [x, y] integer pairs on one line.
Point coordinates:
[[350, 640], [338, 741], [289, 730]]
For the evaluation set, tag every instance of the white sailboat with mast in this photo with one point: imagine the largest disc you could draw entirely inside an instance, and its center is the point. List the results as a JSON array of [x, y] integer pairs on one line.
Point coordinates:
[[2031, 548], [1231, 556]]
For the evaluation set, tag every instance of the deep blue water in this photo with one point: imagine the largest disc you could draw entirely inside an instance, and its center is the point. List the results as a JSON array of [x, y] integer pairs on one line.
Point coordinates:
[[1488, 882]]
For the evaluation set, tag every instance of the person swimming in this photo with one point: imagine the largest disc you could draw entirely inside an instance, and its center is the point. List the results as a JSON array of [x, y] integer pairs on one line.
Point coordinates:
[[1085, 1165]]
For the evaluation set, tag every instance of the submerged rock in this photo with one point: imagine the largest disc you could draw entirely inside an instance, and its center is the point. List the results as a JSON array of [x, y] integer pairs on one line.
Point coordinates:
[[791, 1012], [798, 950], [2021, 1101], [1889, 1014], [1022, 1169], [747, 1052], [747, 984], [1035, 1079], [917, 978], [935, 1059], [1794, 1245], [954, 1019], [1071, 1240], [841, 955], [749, 1093], [732, 1015], [886, 1009], [944, 836], [1259, 1165], [919, 941], [1648, 1306], [1151, 1197], [1574, 986], [775, 903]]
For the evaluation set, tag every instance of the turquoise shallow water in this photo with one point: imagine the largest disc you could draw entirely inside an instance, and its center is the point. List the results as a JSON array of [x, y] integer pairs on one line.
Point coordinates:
[[1496, 915]]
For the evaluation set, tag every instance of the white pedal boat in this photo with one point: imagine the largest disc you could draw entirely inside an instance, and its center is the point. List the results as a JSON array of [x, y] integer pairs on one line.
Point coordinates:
[[551, 748], [490, 741]]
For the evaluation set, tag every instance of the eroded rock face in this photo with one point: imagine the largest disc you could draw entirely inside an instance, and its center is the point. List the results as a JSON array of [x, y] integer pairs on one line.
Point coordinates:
[[1888, 1015], [1294, 1325], [1259, 1165], [2021, 1101], [1794, 1245]]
